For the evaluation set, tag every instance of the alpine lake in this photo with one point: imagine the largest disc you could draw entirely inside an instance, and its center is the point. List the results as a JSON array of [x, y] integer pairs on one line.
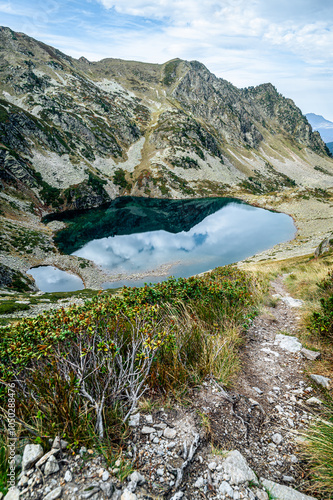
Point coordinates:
[[145, 240]]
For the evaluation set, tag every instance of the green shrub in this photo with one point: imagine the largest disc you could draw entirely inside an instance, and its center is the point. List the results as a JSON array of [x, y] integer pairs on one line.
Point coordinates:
[[88, 363]]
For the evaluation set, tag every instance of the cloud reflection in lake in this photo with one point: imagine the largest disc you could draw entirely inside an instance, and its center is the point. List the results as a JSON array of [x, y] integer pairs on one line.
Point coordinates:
[[232, 233]]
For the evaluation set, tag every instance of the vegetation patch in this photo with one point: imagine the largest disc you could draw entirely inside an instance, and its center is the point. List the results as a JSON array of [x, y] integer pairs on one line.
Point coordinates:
[[119, 179], [88, 365]]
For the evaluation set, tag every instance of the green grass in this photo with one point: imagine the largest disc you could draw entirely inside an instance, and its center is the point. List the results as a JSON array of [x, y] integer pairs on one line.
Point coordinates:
[[9, 307], [319, 453]]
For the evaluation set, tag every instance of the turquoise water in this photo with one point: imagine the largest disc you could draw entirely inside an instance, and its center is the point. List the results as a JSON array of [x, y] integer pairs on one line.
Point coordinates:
[[145, 240]]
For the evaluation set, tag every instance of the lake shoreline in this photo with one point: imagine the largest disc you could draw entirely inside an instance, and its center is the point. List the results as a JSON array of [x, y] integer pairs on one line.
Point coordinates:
[[313, 219]]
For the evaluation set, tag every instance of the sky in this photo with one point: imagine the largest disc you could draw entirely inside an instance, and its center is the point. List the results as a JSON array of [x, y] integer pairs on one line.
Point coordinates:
[[247, 42]]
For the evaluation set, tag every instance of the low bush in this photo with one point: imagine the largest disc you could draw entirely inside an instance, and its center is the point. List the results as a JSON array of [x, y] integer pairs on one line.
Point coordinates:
[[79, 370]]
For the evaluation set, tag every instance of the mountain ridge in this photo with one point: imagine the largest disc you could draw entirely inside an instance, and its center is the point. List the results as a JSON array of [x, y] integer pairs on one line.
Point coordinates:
[[76, 133]]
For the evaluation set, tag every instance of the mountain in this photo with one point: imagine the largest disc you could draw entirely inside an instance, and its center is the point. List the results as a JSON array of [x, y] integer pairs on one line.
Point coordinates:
[[323, 126], [75, 134]]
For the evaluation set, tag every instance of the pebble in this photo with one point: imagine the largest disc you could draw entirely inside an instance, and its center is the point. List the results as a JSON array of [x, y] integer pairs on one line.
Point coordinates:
[[169, 433]]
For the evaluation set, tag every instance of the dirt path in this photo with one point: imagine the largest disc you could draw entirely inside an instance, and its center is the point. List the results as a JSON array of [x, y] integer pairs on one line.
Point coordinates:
[[269, 409]]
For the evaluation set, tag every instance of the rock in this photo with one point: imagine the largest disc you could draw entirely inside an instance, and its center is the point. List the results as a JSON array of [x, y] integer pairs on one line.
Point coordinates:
[[277, 438], [237, 468], [314, 401], [59, 443], [107, 489], [324, 247], [283, 492], [23, 481], [134, 420], [54, 494], [149, 419], [68, 476], [288, 479], [128, 495], [288, 343], [105, 475], [261, 494], [88, 492], [46, 457], [51, 466], [200, 482], [258, 391], [32, 453], [177, 496], [225, 489], [291, 302], [311, 355], [13, 494], [169, 433], [147, 430], [212, 465], [320, 380]]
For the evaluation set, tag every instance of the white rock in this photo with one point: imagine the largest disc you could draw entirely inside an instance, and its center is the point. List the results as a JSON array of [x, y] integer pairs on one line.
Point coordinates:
[[212, 465], [199, 482], [59, 443], [160, 471], [51, 466], [134, 420], [288, 479], [149, 419], [32, 453], [177, 496], [288, 343], [147, 430], [261, 494], [138, 478], [13, 494], [283, 492], [128, 495], [277, 438], [311, 355], [68, 476], [235, 466], [225, 489], [291, 302], [314, 401], [259, 391], [105, 475], [54, 494], [169, 433], [320, 380]]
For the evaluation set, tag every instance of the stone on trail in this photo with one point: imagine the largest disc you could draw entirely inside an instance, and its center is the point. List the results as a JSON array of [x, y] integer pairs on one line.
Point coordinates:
[[32, 453], [54, 494], [288, 343], [311, 355], [51, 466], [282, 492], [291, 302], [320, 380], [237, 468], [13, 494]]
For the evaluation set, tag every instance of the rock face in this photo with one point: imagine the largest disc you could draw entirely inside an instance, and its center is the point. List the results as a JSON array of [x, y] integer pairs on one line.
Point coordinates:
[[75, 133]]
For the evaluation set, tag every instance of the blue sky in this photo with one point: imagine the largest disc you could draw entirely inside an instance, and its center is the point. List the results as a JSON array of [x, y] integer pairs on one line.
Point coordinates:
[[286, 42]]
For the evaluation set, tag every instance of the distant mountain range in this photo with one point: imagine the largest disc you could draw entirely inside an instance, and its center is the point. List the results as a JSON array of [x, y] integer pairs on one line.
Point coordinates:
[[323, 126]]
